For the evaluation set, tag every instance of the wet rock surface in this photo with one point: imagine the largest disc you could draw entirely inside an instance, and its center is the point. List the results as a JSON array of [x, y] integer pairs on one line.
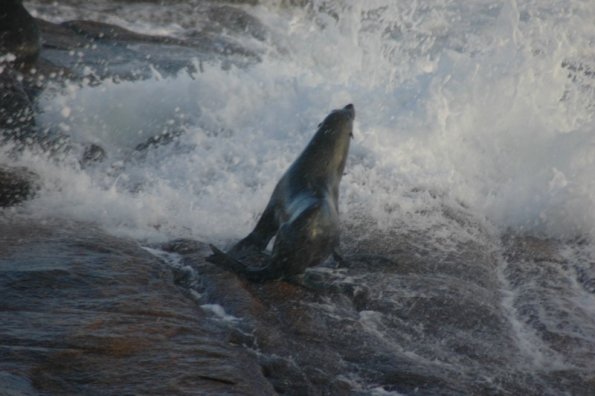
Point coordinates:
[[416, 320], [554, 292], [85, 313], [97, 50]]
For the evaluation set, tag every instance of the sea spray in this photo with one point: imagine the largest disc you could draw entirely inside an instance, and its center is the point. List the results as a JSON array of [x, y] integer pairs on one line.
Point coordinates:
[[468, 104]]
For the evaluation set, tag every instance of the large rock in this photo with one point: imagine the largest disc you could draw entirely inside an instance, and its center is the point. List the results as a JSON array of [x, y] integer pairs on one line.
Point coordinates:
[[86, 313], [405, 314], [386, 320], [109, 51]]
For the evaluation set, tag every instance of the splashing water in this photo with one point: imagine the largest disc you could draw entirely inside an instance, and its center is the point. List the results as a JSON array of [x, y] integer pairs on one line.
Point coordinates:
[[479, 105]]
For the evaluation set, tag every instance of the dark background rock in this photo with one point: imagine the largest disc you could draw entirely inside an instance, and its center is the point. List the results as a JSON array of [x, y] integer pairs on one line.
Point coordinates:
[[16, 185], [19, 34], [114, 52], [17, 120], [19, 50]]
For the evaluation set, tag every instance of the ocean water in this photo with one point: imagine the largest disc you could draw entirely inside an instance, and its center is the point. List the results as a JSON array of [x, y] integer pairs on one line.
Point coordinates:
[[474, 123]]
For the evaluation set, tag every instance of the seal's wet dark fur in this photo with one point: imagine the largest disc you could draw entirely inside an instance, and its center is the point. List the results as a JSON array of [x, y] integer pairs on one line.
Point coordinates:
[[303, 210]]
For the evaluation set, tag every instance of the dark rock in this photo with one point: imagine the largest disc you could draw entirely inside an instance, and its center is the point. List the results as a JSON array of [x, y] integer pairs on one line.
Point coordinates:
[[184, 246], [403, 315], [17, 121], [19, 34], [551, 279], [99, 31], [110, 51], [92, 153], [85, 313], [16, 185], [19, 51], [16, 385], [236, 20]]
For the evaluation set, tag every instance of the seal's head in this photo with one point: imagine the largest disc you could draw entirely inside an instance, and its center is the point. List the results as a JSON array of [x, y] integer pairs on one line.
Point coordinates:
[[340, 121], [348, 110], [323, 160], [331, 142]]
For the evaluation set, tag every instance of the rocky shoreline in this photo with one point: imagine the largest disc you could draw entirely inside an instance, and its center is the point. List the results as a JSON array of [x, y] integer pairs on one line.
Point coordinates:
[[87, 313], [84, 312]]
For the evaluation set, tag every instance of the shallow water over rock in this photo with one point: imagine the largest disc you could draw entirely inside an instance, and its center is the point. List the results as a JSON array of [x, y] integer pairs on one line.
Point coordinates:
[[411, 319]]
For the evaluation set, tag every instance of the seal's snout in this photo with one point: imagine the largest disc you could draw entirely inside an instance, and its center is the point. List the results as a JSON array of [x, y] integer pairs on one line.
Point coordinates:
[[350, 109]]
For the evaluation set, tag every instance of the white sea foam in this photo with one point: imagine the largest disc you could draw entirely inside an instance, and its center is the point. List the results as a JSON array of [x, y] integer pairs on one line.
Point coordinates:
[[219, 312], [458, 103]]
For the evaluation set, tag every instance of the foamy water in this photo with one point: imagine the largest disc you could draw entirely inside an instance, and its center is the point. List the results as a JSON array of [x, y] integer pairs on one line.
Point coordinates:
[[465, 104]]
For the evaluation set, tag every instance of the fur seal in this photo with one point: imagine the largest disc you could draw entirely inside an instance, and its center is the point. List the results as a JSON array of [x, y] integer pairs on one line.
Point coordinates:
[[302, 212]]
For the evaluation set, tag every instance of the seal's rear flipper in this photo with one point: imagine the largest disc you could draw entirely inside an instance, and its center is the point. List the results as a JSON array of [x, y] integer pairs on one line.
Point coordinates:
[[221, 258], [263, 273], [259, 238]]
